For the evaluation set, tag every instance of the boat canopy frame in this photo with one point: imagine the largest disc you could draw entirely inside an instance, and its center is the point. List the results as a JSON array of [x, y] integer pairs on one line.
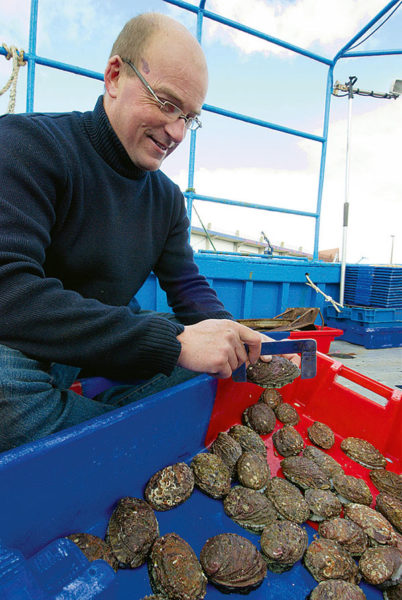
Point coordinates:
[[202, 13]]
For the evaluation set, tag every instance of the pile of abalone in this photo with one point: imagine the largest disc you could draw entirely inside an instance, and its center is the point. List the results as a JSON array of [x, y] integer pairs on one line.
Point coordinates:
[[357, 520]]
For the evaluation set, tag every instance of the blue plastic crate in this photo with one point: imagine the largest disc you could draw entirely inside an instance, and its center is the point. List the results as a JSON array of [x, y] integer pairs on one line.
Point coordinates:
[[371, 336], [370, 285], [71, 481], [383, 317]]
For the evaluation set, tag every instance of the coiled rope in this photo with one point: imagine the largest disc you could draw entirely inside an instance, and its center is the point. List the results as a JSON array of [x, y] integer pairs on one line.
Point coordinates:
[[18, 61]]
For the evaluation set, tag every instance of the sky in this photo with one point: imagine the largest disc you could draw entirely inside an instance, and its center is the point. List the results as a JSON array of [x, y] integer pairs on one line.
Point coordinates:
[[250, 76]]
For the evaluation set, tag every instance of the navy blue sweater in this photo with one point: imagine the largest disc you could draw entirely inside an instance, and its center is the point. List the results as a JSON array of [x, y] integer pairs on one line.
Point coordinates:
[[81, 228]]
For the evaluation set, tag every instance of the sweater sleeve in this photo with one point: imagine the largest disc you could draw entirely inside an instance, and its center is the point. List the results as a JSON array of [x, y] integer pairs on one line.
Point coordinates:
[[38, 316]]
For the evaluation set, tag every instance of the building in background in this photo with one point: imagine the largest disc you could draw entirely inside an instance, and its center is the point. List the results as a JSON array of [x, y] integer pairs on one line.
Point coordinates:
[[210, 240]]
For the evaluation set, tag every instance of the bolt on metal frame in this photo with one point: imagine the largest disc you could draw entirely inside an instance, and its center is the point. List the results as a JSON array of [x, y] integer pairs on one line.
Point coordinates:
[[33, 59]]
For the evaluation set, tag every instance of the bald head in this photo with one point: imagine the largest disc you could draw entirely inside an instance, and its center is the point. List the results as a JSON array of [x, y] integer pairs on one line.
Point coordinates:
[[139, 32]]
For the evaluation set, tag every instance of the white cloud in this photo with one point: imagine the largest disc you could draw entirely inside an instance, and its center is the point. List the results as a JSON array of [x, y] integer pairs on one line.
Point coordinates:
[[14, 23], [303, 23], [375, 194], [80, 20]]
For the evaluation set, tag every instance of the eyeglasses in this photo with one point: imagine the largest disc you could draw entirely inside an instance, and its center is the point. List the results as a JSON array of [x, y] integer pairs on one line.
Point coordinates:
[[168, 108]]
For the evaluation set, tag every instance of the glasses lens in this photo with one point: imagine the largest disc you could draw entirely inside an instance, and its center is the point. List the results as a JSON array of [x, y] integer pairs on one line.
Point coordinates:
[[174, 112], [170, 109]]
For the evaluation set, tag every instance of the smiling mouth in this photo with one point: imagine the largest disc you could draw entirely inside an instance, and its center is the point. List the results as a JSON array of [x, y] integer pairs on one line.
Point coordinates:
[[160, 145]]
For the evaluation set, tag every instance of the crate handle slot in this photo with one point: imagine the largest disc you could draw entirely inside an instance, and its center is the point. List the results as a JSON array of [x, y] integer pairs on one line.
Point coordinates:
[[366, 382]]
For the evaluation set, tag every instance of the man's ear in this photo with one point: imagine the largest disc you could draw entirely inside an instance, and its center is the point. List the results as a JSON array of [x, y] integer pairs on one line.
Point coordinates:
[[112, 75]]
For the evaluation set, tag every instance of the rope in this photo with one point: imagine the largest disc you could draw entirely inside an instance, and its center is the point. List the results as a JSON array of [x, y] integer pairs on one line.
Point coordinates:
[[327, 298], [18, 61], [202, 224]]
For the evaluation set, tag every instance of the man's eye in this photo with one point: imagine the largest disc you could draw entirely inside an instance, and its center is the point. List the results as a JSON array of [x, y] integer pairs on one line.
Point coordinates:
[[170, 108]]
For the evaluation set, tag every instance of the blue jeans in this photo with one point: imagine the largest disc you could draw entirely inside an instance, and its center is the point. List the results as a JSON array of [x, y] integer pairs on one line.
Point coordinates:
[[35, 399]]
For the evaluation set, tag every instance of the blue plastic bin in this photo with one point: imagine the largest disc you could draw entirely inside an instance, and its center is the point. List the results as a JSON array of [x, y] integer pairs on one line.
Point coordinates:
[[70, 482], [60, 571], [368, 327]]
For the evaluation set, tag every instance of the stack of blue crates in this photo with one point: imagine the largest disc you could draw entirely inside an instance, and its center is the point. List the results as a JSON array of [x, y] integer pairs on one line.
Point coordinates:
[[372, 315], [373, 285]]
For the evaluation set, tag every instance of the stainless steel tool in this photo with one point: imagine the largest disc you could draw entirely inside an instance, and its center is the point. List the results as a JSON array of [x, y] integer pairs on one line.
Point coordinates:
[[306, 347]]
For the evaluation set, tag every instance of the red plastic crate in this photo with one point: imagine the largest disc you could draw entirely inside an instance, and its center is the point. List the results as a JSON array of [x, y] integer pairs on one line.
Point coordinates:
[[324, 399], [323, 336]]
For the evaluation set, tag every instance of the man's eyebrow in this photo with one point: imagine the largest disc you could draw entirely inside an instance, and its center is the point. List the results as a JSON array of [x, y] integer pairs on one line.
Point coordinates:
[[171, 96]]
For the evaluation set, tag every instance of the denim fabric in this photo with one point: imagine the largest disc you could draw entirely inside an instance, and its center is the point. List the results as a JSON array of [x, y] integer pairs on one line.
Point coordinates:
[[121, 395], [35, 400], [32, 405]]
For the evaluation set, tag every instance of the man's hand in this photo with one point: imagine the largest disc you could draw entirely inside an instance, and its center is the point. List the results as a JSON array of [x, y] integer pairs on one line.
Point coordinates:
[[216, 346]]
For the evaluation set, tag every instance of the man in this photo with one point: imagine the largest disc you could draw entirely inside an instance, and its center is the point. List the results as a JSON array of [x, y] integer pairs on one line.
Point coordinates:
[[85, 216]]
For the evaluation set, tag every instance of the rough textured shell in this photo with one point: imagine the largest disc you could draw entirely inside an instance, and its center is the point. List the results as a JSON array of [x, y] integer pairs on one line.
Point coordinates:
[[326, 559], [352, 489], [391, 508], [288, 441], [393, 593], [253, 470], [274, 374], [154, 597], [347, 533], [131, 531], [387, 481], [305, 473], [248, 439], [336, 588], [326, 463], [323, 504], [94, 548], [398, 540], [381, 566], [232, 563], [283, 543], [259, 417], [287, 414], [377, 527], [211, 474], [228, 450], [288, 500], [174, 569], [363, 452], [321, 435], [271, 397], [249, 509], [169, 487]]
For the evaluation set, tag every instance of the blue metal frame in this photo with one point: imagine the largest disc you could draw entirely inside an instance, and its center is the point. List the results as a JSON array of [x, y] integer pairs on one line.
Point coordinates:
[[202, 13]]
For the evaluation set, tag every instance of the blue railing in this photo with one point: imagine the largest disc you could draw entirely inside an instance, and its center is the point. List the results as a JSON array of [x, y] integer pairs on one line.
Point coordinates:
[[33, 59]]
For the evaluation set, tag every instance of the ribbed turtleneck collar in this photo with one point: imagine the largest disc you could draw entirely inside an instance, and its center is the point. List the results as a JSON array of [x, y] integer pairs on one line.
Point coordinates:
[[107, 144]]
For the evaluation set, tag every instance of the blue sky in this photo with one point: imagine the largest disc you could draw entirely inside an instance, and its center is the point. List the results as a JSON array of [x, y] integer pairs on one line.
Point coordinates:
[[240, 161]]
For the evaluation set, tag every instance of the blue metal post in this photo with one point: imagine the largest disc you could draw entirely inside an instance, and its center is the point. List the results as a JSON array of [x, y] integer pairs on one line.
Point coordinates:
[[193, 140], [323, 160], [33, 30], [360, 53]]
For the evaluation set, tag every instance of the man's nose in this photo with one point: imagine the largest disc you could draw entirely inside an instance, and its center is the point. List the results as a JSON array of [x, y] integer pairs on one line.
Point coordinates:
[[177, 130]]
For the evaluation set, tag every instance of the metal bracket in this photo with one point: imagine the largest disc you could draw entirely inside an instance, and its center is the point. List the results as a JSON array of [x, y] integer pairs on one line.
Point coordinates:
[[307, 348]]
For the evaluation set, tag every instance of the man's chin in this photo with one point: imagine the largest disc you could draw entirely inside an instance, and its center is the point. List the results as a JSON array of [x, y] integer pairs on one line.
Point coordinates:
[[148, 165]]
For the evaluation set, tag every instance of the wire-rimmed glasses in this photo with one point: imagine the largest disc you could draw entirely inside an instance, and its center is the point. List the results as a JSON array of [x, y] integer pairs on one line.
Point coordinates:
[[168, 108]]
